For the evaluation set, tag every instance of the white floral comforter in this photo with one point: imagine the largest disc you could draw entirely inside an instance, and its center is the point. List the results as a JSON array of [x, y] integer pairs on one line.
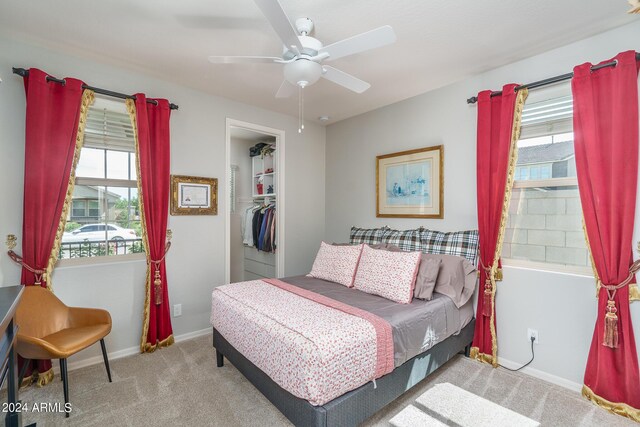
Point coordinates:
[[312, 346]]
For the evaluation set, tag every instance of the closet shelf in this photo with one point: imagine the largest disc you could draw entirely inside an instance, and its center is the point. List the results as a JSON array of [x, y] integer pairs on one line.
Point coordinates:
[[261, 196], [263, 174]]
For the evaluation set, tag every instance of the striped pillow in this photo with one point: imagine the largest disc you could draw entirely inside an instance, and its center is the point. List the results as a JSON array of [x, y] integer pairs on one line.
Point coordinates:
[[459, 243], [370, 236], [407, 240]]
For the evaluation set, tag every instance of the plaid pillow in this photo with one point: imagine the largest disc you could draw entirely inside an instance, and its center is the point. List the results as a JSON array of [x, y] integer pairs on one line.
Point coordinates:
[[370, 236], [407, 240], [459, 243]]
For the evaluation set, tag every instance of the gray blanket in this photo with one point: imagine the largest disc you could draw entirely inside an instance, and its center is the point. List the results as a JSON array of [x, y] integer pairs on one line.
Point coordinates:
[[416, 327]]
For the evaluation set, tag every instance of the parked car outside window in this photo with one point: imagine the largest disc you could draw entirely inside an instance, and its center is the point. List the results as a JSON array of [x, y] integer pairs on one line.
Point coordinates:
[[98, 233]]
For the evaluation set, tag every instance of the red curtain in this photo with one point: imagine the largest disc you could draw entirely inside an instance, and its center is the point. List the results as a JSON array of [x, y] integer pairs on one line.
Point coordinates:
[[495, 151], [605, 121], [52, 117], [53, 112], [154, 185]]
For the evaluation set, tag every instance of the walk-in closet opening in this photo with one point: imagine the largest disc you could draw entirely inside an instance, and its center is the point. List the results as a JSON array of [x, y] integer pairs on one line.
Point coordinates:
[[255, 202]]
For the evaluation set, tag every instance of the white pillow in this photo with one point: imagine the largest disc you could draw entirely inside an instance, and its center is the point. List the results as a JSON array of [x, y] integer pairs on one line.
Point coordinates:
[[336, 263], [391, 275]]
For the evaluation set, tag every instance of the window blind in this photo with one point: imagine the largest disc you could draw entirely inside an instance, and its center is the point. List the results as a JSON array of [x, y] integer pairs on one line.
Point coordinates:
[[547, 117], [108, 129]]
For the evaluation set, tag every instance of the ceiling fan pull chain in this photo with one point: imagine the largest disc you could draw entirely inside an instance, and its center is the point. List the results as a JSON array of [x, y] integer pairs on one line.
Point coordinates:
[[300, 110], [299, 98]]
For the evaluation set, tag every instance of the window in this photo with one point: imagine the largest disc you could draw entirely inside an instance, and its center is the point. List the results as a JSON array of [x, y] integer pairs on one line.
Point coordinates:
[[79, 208], [544, 229], [105, 213]]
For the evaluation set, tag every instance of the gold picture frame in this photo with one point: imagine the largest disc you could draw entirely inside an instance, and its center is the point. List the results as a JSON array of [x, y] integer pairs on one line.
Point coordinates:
[[410, 184], [193, 195]]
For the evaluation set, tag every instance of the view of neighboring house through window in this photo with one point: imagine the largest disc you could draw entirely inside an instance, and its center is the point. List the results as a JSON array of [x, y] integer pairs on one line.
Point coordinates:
[[545, 217], [104, 218]]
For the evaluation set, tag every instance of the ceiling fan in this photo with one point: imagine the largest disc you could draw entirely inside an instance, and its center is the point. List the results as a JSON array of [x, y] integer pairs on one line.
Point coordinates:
[[303, 55]]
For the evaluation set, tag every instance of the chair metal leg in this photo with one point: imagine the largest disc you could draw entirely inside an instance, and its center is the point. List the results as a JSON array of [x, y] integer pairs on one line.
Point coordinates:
[[25, 365], [65, 384], [106, 359]]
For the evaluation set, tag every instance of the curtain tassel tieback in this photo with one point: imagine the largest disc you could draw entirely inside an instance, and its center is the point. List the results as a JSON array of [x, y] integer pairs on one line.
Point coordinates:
[[488, 291], [611, 326], [157, 278], [39, 274], [611, 336]]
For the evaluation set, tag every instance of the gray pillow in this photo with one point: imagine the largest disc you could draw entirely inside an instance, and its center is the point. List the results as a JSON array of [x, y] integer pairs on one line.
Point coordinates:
[[427, 275], [427, 278], [457, 278]]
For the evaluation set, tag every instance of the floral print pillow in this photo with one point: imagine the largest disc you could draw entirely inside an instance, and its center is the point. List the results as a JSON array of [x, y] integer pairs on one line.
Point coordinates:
[[336, 263], [391, 275]]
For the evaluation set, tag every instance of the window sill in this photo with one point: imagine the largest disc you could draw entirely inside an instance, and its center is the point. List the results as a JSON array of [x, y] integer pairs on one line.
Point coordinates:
[[548, 267], [100, 260]]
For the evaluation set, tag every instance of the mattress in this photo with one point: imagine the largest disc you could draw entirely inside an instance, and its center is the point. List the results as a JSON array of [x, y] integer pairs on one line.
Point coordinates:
[[318, 352]]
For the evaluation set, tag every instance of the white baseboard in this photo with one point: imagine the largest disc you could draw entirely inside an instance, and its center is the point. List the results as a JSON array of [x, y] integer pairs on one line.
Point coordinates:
[[545, 376], [119, 354]]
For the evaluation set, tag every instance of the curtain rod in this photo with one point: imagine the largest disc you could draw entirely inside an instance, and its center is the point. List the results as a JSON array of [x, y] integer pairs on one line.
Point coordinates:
[[24, 73], [551, 80]]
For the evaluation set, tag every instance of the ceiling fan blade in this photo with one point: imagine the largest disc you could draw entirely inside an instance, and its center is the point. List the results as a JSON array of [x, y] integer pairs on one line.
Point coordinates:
[[362, 42], [344, 79], [242, 59], [274, 13], [286, 90]]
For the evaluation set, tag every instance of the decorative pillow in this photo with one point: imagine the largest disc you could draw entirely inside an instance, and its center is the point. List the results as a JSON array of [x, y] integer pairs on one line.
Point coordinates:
[[390, 237], [427, 275], [391, 275], [370, 236], [407, 240], [336, 263], [460, 243], [457, 278]]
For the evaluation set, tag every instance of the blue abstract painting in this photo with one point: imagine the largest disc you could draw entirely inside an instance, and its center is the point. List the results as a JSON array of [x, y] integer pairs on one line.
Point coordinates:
[[409, 184]]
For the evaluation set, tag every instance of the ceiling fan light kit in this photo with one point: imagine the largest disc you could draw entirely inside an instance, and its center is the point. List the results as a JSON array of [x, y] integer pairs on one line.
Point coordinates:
[[303, 55], [302, 72]]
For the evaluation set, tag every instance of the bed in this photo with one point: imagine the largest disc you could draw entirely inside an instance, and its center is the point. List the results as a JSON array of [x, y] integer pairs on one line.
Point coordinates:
[[275, 333]]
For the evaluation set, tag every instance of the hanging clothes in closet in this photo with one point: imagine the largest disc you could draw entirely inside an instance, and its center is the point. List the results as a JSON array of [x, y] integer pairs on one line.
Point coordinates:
[[259, 227]]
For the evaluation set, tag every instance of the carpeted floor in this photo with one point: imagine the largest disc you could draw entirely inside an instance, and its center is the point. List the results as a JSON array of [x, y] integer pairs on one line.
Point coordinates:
[[181, 385]]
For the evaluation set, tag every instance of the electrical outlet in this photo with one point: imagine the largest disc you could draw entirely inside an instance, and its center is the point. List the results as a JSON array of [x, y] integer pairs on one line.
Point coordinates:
[[177, 310], [533, 333]]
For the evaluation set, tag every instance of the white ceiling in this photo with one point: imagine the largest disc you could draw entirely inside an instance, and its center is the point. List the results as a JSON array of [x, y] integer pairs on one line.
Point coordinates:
[[439, 42]]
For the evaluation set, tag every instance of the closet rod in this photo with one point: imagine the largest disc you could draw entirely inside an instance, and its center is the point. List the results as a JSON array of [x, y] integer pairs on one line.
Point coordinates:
[[551, 80], [24, 73]]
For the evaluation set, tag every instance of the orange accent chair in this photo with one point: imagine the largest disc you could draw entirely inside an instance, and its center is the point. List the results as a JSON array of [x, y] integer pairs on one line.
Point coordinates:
[[48, 329]]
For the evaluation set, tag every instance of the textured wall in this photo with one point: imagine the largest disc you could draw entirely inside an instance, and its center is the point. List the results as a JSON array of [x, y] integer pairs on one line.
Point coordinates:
[[546, 226]]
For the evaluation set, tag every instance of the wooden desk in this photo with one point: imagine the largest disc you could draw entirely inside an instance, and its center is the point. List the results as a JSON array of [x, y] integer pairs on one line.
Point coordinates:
[[9, 298]]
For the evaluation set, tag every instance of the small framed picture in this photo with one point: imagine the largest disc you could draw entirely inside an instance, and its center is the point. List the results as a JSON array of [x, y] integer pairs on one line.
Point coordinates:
[[192, 195], [410, 184]]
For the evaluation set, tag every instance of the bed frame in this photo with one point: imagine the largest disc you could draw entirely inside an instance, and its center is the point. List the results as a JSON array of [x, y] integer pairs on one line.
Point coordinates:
[[356, 406]]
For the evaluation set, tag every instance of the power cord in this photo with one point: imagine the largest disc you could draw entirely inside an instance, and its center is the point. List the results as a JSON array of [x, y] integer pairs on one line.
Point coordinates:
[[533, 339]]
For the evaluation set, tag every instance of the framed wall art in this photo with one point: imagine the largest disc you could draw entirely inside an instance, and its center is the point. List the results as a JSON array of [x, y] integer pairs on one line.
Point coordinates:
[[410, 184], [192, 195]]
